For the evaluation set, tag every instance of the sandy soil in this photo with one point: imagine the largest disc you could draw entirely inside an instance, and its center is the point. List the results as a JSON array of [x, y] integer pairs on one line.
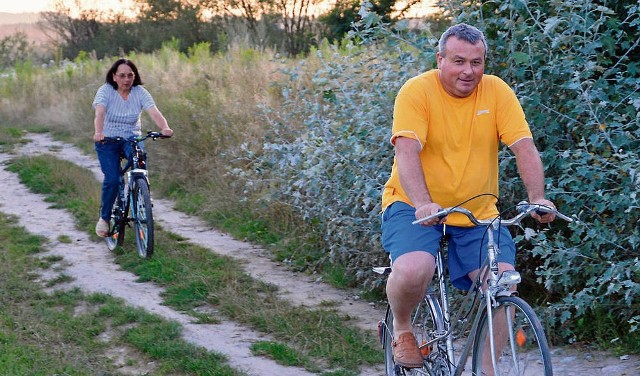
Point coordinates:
[[92, 266]]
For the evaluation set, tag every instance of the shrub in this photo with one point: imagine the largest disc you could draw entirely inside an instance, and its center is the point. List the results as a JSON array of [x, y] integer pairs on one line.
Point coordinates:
[[575, 68]]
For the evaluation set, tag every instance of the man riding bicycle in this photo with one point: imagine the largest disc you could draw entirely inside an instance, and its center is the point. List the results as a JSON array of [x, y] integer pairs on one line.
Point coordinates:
[[448, 123]]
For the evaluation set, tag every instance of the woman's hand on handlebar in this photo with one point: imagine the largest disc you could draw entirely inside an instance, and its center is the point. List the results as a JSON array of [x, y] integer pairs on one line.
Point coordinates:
[[541, 216], [167, 132], [427, 210]]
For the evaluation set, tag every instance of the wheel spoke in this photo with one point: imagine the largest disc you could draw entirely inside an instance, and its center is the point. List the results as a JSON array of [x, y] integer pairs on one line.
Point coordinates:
[[143, 218], [521, 346], [426, 321]]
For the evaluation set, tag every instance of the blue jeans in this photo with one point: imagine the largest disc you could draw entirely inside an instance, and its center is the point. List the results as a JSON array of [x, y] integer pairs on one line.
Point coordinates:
[[109, 157]]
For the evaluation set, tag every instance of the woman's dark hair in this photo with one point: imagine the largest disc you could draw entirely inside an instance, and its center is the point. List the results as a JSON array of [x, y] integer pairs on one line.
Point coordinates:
[[114, 68]]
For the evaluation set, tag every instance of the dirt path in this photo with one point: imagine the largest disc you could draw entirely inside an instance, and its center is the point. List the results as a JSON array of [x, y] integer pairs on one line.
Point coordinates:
[[93, 269]]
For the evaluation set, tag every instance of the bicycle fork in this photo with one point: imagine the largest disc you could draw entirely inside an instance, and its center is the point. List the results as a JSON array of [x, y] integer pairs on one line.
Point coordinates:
[[496, 285]]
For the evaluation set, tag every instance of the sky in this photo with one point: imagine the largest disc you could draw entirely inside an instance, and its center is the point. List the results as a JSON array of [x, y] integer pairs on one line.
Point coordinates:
[[21, 6]]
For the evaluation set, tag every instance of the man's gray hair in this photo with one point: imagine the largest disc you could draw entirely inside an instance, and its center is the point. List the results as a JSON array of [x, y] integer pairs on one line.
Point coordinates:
[[463, 32]]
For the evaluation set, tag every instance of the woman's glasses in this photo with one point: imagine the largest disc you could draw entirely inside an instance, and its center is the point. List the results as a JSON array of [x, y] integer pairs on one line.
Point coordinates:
[[127, 75]]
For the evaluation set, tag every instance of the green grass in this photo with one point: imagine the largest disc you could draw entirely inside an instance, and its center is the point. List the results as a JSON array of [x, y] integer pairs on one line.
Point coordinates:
[[193, 276], [280, 352], [70, 333]]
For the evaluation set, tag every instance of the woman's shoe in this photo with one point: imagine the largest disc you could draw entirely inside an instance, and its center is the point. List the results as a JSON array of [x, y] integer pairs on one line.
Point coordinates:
[[102, 228]]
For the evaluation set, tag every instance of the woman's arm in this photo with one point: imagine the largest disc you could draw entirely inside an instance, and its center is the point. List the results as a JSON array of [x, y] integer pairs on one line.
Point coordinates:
[[160, 121], [98, 123]]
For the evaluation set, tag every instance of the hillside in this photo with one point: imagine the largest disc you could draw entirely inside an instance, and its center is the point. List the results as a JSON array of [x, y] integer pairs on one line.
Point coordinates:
[[12, 23], [18, 18]]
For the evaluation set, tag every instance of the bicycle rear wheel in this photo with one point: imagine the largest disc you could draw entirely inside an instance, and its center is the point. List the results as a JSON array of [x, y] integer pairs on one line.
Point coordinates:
[[427, 321], [521, 345], [141, 212], [116, 226]]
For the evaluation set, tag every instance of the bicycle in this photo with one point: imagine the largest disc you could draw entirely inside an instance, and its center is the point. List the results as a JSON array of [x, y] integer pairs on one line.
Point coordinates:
[[133, 203], [526, 351]]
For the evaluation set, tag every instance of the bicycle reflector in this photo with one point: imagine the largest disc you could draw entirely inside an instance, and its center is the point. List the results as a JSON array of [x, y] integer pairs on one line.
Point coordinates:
[[521, 337]]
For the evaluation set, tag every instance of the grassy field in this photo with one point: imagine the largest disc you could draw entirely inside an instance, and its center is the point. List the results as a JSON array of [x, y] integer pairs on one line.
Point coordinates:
[[72, 333], [316, 339]]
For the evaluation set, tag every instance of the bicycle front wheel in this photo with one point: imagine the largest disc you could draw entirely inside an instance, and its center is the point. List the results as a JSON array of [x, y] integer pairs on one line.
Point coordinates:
[[427, 322], [520, 344], [141, 212], [116, 226]]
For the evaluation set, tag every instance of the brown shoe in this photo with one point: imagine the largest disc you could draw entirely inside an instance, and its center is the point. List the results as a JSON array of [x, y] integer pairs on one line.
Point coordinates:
[[406, 352]]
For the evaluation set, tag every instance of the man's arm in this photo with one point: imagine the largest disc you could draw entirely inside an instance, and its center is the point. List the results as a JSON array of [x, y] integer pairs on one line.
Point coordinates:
[[532, 175], [412, 178]]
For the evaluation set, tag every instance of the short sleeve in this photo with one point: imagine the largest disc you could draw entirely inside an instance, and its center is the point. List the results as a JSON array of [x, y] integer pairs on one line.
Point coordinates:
[[102, 96], [410, 115], [146, 100], [512, 123]]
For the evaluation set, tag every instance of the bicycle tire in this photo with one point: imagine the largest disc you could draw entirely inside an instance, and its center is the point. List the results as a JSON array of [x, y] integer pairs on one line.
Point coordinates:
[[426, 320], [116, 226], [526, 351], [142, 215]]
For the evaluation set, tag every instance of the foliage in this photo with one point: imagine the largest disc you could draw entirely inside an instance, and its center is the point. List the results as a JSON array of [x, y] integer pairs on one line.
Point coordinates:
[[314, 144], [15, 48], [290, 27], [572, 64], [575, 67], [111, 34], [328, 153], [340, 19]]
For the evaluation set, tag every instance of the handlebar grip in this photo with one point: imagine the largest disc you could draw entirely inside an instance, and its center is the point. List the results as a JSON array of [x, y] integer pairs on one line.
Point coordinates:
[[440, 214], [525, 207]]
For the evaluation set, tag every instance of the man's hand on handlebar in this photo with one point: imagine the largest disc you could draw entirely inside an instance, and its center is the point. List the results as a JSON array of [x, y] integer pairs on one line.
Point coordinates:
[[428, 210], [541, 216]]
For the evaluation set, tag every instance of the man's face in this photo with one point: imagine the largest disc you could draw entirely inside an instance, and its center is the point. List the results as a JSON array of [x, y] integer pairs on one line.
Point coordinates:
[[461, 66]]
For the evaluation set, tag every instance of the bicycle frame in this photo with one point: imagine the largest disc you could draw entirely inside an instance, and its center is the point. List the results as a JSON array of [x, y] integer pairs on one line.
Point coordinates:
[[135, 167], [474, 296], [134, 198]]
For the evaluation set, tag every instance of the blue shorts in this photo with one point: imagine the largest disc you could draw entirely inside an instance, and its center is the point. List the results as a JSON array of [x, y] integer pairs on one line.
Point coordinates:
[[467, 247]]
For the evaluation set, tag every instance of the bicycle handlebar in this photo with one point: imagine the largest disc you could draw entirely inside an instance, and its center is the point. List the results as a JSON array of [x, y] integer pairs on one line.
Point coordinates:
[[150, 134], [524, 209]]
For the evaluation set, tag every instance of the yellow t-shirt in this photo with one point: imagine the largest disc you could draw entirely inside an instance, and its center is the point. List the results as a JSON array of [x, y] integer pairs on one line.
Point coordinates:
[[459, 138]]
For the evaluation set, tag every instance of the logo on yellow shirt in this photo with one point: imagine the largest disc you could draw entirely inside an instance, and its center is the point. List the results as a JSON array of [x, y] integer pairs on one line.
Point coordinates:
[[482, 112]]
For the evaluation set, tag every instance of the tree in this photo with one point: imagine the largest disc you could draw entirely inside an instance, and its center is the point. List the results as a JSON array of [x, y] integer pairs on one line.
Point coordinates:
[[339, 20], [14, 48], [74, 34]]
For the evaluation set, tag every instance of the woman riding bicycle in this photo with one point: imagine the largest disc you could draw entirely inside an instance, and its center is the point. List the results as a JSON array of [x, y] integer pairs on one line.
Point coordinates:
[[118, 105], [447, 126]]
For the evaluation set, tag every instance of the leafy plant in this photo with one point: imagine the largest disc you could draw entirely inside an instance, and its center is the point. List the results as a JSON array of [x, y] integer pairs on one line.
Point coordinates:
[[574, 66]]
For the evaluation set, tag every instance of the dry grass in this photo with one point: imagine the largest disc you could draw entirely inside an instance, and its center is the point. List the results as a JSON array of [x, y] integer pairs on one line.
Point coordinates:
[[211, 101]]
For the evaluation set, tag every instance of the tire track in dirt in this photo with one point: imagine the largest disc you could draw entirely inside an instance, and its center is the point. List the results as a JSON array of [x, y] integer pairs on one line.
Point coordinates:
[[298, 288], [94, 270]]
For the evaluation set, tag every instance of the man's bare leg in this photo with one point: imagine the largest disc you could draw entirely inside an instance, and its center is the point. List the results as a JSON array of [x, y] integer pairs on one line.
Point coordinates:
[[407, 283]]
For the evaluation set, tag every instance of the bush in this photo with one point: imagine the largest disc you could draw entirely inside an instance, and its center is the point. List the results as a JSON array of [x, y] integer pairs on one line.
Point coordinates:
[[575, 68]]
